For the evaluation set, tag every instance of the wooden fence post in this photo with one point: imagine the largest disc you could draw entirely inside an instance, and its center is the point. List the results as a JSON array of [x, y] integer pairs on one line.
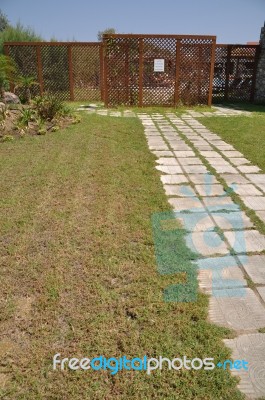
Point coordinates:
[[70, 69], [141, 70]]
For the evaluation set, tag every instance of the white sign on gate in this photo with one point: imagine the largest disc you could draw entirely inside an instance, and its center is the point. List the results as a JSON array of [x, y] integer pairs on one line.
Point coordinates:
[[159, 65]]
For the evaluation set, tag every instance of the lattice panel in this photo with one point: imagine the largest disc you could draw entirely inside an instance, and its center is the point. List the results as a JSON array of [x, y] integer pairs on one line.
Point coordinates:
[[55, 70], [122, 68], [159, 87], [25, 58], [131, 76], [234, 72], [194, 71], [86, 72]]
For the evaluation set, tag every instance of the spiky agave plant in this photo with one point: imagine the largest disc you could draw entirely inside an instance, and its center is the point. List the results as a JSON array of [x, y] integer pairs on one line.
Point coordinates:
[[8, 72]]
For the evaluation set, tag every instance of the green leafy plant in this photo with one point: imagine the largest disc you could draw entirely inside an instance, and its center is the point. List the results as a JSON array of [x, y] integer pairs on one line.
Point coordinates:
[[8, 72], [27, 115], [26, 83], [7, 138], [48, 106]]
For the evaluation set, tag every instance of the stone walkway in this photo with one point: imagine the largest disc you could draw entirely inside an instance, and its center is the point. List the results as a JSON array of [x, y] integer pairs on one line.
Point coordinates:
[[200, 174], [218, 111]]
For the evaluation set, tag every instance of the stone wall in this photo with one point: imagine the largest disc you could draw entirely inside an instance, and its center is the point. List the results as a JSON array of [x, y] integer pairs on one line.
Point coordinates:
[[260, 78]]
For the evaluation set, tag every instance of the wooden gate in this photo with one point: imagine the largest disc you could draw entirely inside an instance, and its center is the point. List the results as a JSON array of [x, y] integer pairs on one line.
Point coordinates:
[[164, 70]]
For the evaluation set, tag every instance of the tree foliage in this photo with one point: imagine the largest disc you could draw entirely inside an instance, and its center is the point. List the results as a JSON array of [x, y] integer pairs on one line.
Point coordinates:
[[106, 31], [4, 23], [18, 33]]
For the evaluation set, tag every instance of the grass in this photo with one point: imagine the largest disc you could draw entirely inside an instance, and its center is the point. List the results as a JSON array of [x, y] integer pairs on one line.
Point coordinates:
[[79, 275], [246, 134]]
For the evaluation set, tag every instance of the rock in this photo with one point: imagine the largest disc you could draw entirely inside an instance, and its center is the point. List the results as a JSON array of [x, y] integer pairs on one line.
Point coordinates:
[[10, 97]]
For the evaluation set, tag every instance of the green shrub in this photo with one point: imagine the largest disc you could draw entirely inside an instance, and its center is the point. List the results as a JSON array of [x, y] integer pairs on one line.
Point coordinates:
[[27, 115], [48, 106], [7, 138]]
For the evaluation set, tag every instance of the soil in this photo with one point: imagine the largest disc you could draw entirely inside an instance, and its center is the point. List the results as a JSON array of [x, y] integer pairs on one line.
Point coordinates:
[[10, 128]]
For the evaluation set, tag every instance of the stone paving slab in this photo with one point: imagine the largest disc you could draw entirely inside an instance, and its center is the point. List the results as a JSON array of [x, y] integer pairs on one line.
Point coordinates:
[[232, 153], [238, 309], [239, 161], [256, 203], [206, 243], [167, 161], [217, 204], [234, 179], [256, 178], [225, 169], [216, 161], [247, 189], [189, 161], [195, 169], [163, 153], [188, 204], [211, 154], [202, 147], [232, 220], [164, 147], [246, 241], [224, 146], [220, 273], [170, 169], [261, 291], [189, 153], [248, 169], [261, 186], [202, 178], [179, 190], [174, 179], [210, 190], [255, 267], [195, 222], [251, 348]]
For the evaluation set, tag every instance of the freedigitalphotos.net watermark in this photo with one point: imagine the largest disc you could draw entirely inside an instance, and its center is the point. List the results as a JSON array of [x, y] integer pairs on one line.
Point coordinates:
[[146, 364], [172, 258]]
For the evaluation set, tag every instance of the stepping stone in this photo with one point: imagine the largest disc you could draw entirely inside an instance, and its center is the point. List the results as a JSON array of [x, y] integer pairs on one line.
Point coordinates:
[[255, 267], [195, 169], [212, 154], [238, 309], [251, 348], [164, 147], [179, 147], [217, 204], [170, 169], [210, 190], [249, 189], [195, 221], [248, 169], [256, 178], [256, 203], [245, 241], [163, 153], [174, 179], [188, 204], [203, 147], [190, 161], [261, 215], [167, 161], [239, 161], [222, 147], [219, 273], [206, 179], [189, 153], [234, 179], [206, 243], [216, 161], [232, 153], [222, 169], [261, 291], [179, 190], [232, 220]]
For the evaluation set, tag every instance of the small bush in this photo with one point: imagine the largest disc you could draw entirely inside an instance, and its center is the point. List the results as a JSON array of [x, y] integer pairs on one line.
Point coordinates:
[[7, 138], [48, 106], [27, 115]]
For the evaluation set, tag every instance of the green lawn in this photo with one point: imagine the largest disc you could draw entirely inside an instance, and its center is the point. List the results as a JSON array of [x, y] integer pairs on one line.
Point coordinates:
[[78, 271], [246, 134]]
